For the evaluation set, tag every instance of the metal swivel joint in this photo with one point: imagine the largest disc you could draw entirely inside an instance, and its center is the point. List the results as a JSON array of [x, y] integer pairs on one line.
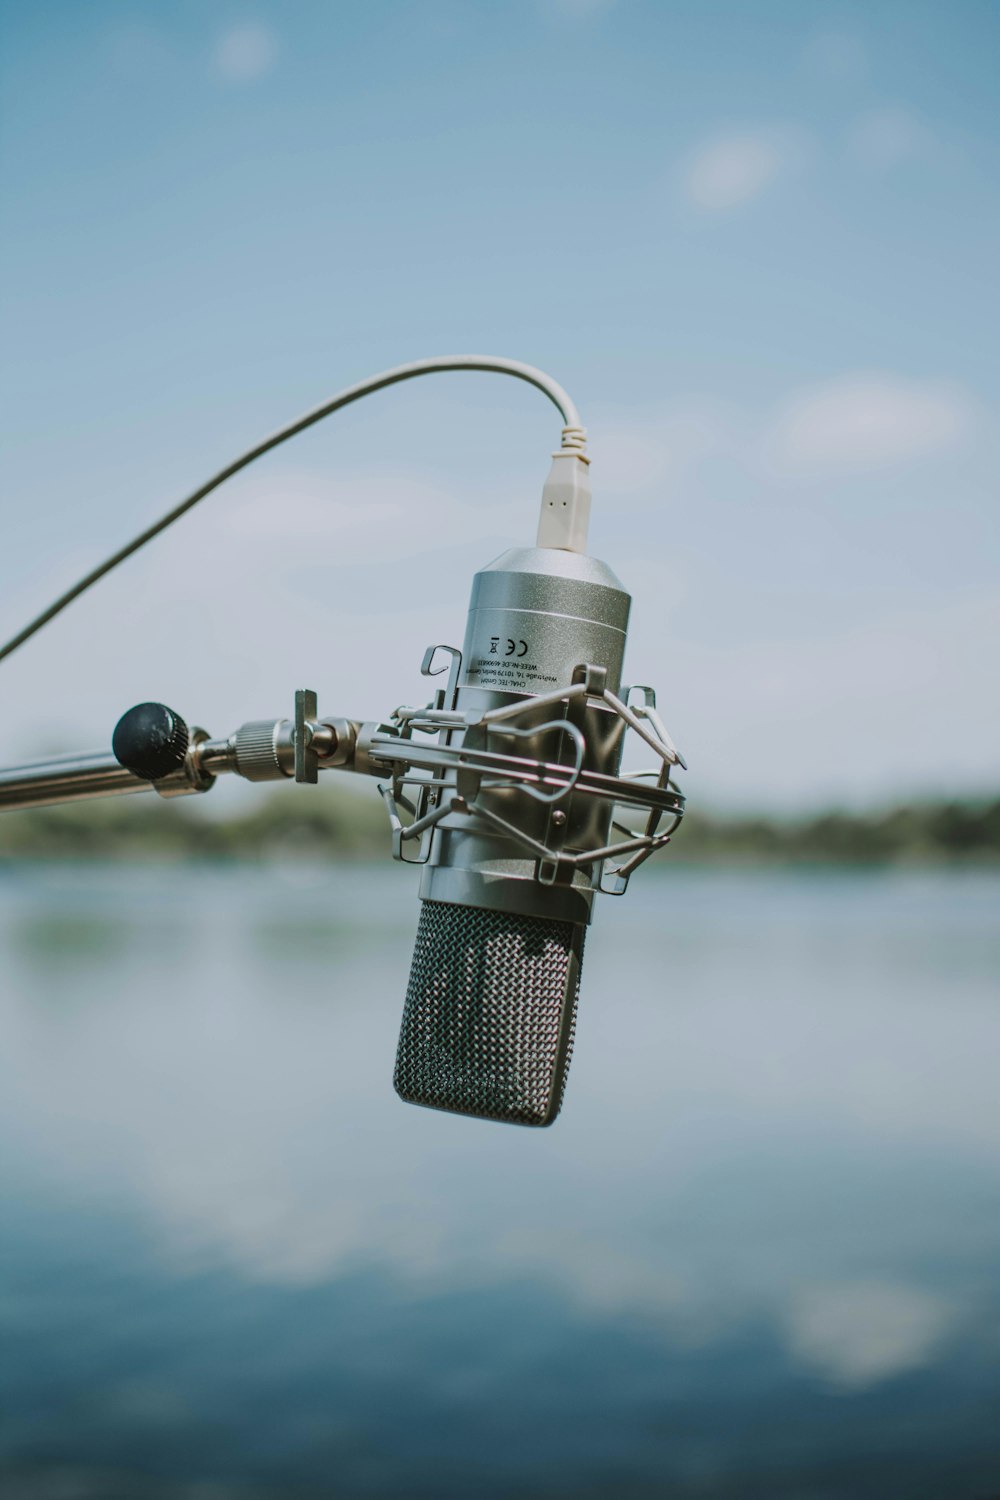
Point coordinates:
[[153, 742], [283, 749]]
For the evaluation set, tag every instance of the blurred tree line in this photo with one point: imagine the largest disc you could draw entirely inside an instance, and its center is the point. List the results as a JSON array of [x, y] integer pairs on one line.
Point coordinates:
[[331, 822]]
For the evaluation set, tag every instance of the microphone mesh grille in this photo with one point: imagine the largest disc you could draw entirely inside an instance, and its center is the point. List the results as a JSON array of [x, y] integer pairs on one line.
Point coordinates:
[[490, 1011]]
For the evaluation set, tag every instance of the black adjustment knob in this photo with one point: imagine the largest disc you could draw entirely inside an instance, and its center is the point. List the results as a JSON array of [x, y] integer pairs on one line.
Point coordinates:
[[150, 741]]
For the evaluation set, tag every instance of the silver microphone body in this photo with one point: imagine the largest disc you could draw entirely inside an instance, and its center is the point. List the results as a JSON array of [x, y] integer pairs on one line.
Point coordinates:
[[490, 1009]]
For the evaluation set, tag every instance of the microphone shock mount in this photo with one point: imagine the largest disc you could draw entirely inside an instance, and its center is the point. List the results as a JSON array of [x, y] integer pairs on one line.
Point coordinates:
[[434, 763]]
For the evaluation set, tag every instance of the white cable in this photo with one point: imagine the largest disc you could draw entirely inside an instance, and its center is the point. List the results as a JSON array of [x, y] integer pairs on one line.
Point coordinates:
[[574, 441]]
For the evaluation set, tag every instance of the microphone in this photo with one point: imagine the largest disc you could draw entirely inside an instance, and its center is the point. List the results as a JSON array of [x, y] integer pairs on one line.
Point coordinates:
[[490, 1009], [515, 810]]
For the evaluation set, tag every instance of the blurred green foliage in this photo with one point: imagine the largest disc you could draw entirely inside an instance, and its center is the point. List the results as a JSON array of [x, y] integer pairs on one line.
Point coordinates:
[[924, 833], [296, 822]]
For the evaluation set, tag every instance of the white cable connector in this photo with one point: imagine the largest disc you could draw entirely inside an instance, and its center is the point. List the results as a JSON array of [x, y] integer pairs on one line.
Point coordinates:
[[565, 513]]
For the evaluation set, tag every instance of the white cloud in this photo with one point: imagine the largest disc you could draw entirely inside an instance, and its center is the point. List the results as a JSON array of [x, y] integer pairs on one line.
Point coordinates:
[[246, 52], [883, 138], [866, 421], [858, 1333], [733, 169]]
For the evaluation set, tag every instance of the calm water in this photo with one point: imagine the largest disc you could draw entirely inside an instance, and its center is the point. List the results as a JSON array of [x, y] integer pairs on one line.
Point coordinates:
[[757, 1256]]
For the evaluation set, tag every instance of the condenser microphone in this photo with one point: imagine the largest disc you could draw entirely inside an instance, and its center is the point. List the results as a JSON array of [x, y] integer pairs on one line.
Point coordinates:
[[507, 785], [490, 1009]]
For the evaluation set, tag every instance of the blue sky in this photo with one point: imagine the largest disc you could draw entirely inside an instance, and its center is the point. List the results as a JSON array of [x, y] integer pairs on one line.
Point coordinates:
[[757, 242]]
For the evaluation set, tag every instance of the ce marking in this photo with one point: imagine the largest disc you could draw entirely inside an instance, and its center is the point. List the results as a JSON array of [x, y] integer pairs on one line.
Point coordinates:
[[512, 647]]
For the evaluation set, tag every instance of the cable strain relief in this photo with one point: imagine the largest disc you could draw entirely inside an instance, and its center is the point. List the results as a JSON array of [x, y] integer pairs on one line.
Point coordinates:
[[574, 440]]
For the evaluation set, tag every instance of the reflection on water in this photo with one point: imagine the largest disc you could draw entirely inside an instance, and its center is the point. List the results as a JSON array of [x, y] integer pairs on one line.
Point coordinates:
[[756, 1256]]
